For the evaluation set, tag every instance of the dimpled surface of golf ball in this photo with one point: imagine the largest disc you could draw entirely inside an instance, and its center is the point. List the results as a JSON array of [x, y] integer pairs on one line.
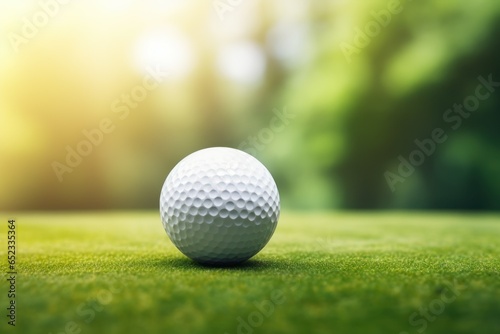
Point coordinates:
[[219, 206]]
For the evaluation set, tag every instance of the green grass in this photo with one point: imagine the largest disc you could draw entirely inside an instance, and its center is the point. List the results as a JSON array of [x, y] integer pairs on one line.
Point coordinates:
[[335, 273]]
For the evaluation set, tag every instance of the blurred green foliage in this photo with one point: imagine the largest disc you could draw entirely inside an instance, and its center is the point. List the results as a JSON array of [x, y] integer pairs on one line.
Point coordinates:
[[355, 118], [358, 83]]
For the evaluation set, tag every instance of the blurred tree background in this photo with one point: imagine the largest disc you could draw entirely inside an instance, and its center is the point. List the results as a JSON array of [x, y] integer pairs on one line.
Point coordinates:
[[328, 94]]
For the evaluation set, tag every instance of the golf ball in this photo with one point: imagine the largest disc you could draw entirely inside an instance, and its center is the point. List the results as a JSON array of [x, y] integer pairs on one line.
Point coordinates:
[[219, 206]]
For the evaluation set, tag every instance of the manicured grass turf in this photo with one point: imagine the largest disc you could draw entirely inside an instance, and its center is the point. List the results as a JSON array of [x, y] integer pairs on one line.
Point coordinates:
[[333, 273]]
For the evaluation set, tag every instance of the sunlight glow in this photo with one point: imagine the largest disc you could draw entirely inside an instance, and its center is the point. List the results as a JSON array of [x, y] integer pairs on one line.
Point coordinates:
[[168, 49]]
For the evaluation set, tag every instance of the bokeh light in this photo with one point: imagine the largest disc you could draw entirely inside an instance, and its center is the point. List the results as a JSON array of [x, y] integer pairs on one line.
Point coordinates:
[[361, 85]]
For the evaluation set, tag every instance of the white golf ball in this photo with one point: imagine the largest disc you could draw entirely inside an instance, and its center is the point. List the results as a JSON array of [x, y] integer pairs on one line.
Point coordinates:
[[219, 206]]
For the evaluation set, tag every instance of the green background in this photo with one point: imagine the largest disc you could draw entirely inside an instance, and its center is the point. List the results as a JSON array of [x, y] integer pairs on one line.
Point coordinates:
[[360, 82]]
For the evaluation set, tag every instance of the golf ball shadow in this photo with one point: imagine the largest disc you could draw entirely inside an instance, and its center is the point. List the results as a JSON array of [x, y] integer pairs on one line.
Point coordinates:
[[185, 263]]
